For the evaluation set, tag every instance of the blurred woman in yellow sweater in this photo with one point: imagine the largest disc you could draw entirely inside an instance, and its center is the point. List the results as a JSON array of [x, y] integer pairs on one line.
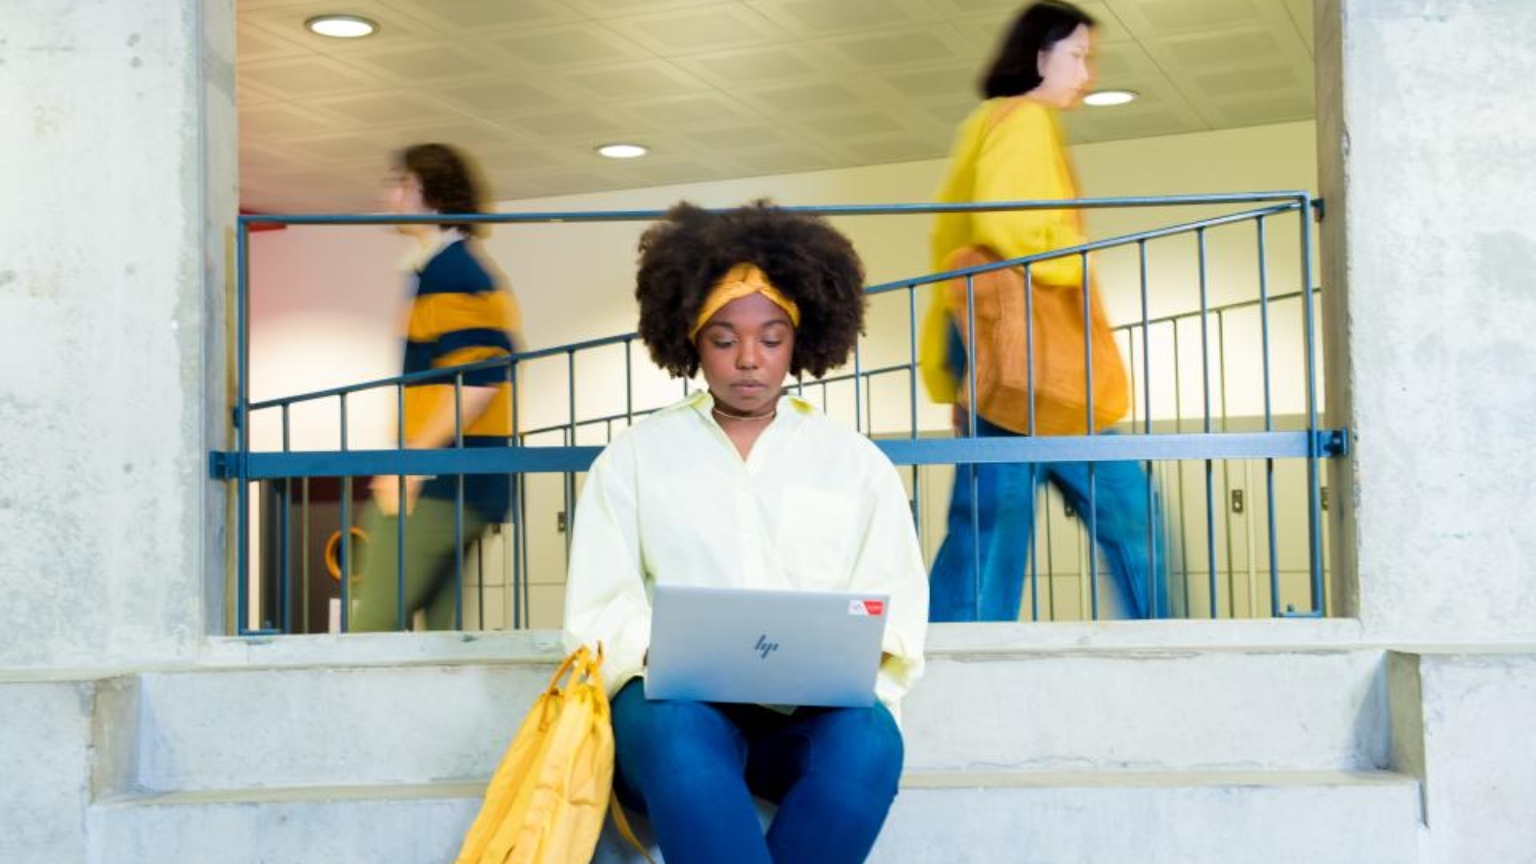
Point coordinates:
[[1011, 148]]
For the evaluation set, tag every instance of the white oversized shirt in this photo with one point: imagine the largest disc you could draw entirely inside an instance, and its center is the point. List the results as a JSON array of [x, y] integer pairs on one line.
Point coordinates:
[[814, 506]]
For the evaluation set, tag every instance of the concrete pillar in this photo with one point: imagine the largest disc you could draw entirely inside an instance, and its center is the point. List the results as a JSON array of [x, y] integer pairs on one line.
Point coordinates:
[[117, 125], [1425, 131]]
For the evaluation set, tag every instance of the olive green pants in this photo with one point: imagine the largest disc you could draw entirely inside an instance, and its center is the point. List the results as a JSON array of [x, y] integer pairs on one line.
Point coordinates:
[[431, 566]]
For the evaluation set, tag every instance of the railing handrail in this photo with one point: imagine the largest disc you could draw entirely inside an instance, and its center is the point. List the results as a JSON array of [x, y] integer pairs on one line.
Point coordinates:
[[1297, 196], [1083, 248]]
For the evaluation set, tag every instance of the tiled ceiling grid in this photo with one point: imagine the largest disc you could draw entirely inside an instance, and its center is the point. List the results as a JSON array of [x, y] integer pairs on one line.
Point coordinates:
[[715, 89]]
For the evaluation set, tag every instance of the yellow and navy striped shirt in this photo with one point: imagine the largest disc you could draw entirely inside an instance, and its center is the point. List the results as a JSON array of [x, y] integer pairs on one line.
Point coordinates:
[[463, 313]]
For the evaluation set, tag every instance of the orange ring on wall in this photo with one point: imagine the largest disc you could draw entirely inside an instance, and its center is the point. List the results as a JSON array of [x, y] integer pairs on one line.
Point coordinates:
[[333, 545]]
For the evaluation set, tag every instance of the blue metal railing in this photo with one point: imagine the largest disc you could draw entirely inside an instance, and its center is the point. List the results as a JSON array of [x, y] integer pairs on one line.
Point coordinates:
[[244, 466]]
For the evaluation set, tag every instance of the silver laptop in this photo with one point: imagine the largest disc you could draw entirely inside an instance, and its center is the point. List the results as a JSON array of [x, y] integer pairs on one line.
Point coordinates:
[[768, 647]]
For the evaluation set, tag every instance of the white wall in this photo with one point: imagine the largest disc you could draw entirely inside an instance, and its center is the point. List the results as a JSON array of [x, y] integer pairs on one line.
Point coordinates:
[[326, 300]]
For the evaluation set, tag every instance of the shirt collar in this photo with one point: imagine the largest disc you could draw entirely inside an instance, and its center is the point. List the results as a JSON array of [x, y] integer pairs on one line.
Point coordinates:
[[425, 248], [790, 405]]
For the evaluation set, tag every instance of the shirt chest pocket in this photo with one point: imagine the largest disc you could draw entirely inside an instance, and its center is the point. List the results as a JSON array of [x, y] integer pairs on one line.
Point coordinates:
[[820, 534]]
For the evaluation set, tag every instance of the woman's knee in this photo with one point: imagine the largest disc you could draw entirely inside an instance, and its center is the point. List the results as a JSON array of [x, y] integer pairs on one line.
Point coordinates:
[[864, 747], [669, 735]]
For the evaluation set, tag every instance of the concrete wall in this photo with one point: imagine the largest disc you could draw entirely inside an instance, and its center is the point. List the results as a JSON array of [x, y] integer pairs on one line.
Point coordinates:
[[1424, 151], [1460, 725], [113, 118]]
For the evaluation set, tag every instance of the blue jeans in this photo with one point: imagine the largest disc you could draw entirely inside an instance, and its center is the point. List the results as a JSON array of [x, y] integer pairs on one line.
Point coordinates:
[[1130, 536], [693, 767]]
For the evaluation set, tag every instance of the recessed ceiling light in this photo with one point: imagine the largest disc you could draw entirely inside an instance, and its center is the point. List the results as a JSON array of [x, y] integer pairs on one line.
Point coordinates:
[[342, 26], [622, 151], [1103, 98]]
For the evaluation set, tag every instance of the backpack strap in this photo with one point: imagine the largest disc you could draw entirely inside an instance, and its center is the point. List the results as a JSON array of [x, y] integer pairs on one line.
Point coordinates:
[[621, 822], [591, 666]]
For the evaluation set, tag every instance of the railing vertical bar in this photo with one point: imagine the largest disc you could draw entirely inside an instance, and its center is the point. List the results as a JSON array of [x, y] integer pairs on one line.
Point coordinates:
[[970, 355], [1314, 496], [304, 559], [1093, 500], [870, 405], [1042, 504], [401, 613], [629, 382], [1226, 466], [1155, 590], [1205, 385], [569, 490], [480, 584], [522, 548], [1034, 472], [1034, 545], [1029, 342], [1130, 359], [515, 489], [912, 356], [1178, 466], [344, 618], [458, 506], [917, 486], [285, 553], [241, 417], [1269, 423], [971, 416], [858, 401]]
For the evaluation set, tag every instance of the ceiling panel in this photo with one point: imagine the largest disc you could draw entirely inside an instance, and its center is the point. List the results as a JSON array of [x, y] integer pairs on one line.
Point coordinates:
[[692, 111], [301, 78], [482, 18], [690, 31], [419, 64], [813, 18], [775, 64], [1156, 19], [716, 88], [644, 80], [1302, 15], [568, 47]]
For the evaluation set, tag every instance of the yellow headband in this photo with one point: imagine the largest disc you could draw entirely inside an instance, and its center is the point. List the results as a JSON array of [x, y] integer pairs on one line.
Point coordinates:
[[738, 282]]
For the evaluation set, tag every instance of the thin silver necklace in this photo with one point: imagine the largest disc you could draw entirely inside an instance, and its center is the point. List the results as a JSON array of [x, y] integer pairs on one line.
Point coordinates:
[[745, 418]]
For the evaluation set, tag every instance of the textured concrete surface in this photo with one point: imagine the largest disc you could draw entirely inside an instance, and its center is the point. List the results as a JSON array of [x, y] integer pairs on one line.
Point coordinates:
[[45, 770], [1151, 710], [1038, 711], [111, 370], [1475, 755], [1430, 243], [302, 727], [1232, 818]]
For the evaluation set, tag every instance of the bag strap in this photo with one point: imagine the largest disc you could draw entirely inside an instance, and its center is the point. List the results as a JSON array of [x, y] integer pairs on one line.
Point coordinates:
[[621, 822], [580, 659], [590, 668]]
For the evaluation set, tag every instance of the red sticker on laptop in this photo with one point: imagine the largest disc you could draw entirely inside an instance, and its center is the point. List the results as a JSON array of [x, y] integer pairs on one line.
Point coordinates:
[[866, 608]]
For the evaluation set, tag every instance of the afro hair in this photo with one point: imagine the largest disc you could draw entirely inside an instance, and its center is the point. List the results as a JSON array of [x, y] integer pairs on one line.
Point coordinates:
[[689, 249]]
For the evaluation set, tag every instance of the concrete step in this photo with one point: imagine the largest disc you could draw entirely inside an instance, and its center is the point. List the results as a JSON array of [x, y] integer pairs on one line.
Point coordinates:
[[977, 816], [1049, 710]]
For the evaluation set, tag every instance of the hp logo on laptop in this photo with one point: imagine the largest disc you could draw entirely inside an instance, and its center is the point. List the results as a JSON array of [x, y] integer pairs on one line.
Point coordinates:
[[764, 647]]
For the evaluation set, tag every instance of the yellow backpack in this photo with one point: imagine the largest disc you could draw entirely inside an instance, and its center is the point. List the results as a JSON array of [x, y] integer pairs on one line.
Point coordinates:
[[546, 801]]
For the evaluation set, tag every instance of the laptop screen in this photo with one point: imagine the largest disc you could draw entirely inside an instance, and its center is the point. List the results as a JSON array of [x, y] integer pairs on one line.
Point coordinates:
[[765, 646]]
